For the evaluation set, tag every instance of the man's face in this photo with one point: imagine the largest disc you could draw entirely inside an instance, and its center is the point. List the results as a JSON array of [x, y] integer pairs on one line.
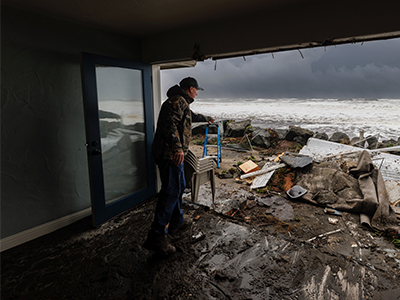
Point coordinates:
[[192, 92]]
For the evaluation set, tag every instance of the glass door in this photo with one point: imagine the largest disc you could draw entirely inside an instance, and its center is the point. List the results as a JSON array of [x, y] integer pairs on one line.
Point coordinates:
[[119, 130]]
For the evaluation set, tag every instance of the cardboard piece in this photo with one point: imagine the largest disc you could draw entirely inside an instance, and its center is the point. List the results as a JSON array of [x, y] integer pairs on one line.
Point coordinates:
[[248, 167]]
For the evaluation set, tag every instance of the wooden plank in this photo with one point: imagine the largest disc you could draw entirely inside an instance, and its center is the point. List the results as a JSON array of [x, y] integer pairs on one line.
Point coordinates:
[[248, 167]]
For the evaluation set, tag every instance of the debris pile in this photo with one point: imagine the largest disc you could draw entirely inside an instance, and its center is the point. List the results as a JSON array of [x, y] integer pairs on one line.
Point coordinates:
[[252, 243], [354, 186], [338, 177]]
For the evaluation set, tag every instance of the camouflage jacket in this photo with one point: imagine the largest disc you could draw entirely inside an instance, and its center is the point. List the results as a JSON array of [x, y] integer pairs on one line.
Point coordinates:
[[174, 125]]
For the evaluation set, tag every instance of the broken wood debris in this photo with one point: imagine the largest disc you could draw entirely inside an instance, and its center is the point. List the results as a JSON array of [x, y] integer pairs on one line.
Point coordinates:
[[333, 220], [264, 175], [263, 171], [248, 167], [324, 234], [332, 211], [279, 157]]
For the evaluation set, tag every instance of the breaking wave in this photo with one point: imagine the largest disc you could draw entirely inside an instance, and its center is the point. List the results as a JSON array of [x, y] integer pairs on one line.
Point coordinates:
[[373, 116]]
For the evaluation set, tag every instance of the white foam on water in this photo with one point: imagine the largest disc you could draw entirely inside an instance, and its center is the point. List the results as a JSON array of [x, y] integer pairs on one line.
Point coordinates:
[[376, 116], [130, 111]]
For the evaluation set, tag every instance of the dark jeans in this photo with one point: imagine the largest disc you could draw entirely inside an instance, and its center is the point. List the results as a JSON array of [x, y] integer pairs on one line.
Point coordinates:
[[169, 204]]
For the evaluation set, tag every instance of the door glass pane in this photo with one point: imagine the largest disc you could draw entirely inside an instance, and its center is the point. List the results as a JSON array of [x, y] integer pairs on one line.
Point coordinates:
[[122, 129]]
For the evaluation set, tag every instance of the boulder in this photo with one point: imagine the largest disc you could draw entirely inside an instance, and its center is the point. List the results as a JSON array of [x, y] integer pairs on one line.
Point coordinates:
[[139, 126], [321, 136], [281, 133], [340, 137], [107, 126], [300, 139], [372, 142], [199, 128], [391, 143], [224, 123], [261, 137], [388, 143], [355, 141], [237, 128], [108, 115], [298, 134]]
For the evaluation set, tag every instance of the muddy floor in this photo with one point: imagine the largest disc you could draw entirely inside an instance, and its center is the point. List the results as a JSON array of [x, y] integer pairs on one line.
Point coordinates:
[[257, 246]]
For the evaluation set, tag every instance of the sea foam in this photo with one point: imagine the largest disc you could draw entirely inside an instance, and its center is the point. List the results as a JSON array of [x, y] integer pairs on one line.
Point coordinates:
[[373, 116]]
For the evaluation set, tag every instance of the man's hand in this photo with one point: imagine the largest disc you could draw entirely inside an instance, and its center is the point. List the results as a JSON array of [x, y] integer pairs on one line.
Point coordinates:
[[177, 160], [211, 120]]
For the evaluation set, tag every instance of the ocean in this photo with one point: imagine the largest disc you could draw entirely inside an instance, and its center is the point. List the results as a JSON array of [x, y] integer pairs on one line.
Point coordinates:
[[375, 117]]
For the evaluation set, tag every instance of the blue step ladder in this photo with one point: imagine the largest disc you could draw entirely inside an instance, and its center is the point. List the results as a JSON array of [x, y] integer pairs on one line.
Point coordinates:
[[218, 146]]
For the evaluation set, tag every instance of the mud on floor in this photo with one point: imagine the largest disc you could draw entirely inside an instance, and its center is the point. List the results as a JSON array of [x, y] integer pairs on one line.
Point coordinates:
[[248, 246], [219, 257]]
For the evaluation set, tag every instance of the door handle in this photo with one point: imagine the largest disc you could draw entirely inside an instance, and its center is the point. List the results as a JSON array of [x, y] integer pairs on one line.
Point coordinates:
[[96, 152]]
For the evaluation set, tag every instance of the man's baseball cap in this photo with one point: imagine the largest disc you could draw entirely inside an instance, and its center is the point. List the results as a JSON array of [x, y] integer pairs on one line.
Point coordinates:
[[188, 82]]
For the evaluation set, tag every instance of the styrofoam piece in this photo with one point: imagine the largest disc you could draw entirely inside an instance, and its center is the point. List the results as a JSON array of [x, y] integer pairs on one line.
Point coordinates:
[[388, 164], [261, 180]]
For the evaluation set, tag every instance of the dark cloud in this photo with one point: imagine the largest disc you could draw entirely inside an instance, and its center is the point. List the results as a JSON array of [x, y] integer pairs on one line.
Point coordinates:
[[368, 70]]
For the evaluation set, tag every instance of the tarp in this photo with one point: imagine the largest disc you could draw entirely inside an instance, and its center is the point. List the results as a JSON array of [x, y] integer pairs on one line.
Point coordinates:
[[362, 192]]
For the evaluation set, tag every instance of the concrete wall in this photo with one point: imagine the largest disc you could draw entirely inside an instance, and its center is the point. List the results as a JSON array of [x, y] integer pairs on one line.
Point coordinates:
[[44, 171]]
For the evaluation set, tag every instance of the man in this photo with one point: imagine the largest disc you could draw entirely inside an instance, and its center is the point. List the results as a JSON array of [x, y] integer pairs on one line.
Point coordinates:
[[171, 143]]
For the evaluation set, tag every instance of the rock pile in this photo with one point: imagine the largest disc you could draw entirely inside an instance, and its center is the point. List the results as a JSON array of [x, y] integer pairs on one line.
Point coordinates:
[[268, 137]]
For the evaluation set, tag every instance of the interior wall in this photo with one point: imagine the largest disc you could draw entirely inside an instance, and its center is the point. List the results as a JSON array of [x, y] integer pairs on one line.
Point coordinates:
[[44, 171]]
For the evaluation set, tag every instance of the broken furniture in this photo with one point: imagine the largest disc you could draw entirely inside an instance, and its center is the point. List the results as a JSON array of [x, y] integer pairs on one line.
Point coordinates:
[[218, 146], [197, 172]]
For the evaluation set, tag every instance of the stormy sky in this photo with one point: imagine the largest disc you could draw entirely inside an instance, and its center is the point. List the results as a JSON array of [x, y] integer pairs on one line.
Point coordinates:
[[364, 70]]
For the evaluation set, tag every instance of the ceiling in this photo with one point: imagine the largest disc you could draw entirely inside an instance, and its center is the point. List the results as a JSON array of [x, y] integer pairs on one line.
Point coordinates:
[[179, 30], [145, 17]]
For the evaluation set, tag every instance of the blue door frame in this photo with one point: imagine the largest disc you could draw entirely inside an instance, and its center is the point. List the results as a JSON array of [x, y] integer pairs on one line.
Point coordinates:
[[101, 211]]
